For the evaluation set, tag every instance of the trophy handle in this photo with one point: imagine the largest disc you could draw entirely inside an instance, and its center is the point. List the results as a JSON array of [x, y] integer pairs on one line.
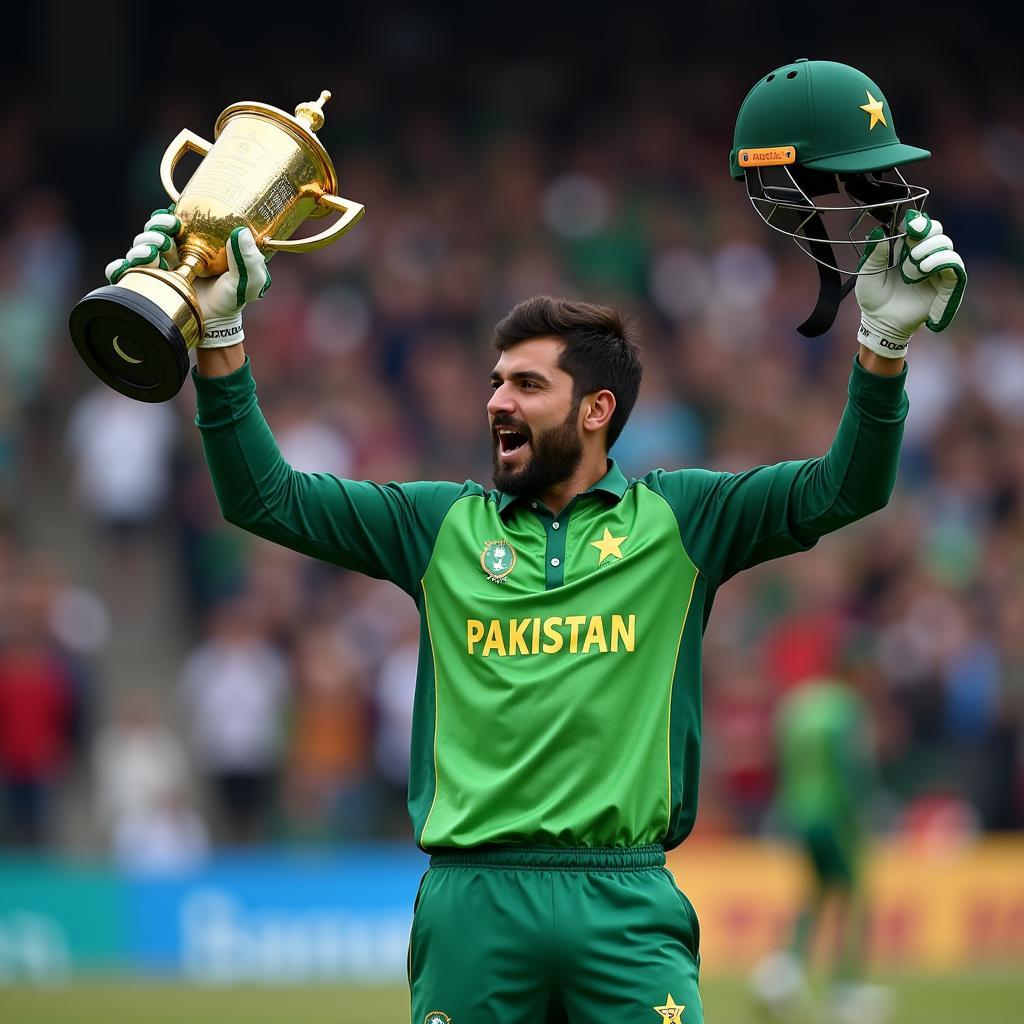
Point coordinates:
[[350, 213], [184, 142]]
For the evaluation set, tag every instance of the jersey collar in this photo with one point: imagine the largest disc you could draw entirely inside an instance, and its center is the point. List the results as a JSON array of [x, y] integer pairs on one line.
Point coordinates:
[[613, 484]]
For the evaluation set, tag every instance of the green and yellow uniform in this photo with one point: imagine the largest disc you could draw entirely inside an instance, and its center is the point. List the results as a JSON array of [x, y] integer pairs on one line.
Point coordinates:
[[556, 731], [825, 776], [826, 782]]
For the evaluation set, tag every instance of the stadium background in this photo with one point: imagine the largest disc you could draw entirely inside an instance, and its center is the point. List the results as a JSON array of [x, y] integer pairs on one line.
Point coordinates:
[[499, 153]]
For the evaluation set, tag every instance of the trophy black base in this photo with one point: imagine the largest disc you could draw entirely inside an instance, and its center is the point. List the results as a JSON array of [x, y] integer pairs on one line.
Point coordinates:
[[130, 343]]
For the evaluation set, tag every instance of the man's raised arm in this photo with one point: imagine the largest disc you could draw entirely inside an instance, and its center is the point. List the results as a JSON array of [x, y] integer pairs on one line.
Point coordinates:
[[383, 530], [729, 522]]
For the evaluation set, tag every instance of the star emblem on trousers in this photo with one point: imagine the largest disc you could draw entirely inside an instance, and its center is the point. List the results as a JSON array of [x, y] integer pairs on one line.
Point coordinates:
[[672, 1012]]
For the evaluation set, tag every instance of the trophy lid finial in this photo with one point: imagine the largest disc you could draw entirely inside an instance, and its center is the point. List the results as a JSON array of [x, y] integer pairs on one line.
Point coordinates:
[[312, 112]]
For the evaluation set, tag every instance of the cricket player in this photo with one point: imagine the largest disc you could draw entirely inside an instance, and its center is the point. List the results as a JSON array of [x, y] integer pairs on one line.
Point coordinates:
[[556, 733], [826, 782]]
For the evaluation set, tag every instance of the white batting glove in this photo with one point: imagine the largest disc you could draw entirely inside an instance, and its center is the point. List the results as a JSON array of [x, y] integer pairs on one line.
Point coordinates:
[[221, 298], [926, 288]]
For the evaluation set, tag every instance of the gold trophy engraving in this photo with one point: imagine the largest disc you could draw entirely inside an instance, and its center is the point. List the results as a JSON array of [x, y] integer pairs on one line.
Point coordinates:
[[266, 170]]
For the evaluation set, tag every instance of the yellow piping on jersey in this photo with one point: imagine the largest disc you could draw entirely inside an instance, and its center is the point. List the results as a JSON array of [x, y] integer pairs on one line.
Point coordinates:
[[433, 658], [671, 686]]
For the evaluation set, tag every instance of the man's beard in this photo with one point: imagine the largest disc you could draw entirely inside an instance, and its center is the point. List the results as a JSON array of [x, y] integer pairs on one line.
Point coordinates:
[[554, 456]]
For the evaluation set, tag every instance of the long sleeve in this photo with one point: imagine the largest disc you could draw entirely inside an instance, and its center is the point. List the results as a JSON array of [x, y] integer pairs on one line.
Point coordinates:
[[383, 530], [731, 521]]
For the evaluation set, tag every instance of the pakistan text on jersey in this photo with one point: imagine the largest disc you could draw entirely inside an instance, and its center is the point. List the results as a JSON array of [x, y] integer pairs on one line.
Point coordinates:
[[575, 634]]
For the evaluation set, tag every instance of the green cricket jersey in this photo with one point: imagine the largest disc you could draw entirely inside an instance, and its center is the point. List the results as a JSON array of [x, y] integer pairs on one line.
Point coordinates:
[[558, 696]]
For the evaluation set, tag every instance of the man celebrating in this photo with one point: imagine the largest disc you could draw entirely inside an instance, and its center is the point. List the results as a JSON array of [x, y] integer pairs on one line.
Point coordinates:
[[556, 734]]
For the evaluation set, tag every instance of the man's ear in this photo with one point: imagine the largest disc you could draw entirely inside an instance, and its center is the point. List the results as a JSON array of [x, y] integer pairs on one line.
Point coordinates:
[[597, 410]]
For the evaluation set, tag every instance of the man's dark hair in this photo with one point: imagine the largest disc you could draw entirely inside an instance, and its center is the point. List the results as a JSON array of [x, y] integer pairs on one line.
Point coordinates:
[[598, 349]]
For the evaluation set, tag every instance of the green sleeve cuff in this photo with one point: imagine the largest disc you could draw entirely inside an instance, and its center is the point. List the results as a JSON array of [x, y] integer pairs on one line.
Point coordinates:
[[883, 398], [221, 401]]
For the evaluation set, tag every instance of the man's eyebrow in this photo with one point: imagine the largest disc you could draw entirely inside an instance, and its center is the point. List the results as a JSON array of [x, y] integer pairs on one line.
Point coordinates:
[[519, 375]]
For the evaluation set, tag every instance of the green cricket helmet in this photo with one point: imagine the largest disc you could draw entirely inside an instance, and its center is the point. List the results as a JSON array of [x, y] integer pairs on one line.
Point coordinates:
[[816, 145]]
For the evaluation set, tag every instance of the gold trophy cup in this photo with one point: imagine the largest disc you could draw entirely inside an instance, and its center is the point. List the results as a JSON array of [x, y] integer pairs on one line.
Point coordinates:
[[266, 170]]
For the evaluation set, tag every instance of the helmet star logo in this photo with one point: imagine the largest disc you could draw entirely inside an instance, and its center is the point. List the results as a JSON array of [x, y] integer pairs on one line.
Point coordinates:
[[874, 108], [671, 1012]]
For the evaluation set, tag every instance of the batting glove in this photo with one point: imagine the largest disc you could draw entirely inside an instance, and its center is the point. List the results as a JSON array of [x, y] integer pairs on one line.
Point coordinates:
[[221, 298], [926, 288]]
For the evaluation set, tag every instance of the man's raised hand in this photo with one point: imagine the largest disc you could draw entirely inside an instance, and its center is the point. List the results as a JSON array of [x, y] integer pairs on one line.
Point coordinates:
[[926, 288], [221, 298]]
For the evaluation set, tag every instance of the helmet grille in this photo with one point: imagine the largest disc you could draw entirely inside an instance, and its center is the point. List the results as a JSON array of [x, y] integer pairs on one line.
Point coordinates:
[[829, 215]]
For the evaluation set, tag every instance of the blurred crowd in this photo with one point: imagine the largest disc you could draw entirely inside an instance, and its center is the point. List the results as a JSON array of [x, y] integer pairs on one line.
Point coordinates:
[[289, 715]]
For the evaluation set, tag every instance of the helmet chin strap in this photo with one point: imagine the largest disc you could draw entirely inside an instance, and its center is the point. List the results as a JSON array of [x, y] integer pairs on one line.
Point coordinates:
[[871, 195], [831, 288], [830, 283]]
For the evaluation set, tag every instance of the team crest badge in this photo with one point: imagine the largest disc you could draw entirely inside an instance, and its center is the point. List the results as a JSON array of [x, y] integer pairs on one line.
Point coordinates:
[[437, 1017], [498, 560], [671, 1012]]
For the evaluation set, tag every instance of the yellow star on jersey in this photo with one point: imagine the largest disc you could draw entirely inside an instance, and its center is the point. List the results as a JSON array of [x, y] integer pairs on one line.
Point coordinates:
[[608, 545], [671, 1011], [874, 108]]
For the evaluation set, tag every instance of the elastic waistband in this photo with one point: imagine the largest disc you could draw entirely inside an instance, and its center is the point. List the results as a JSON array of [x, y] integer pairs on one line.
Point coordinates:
[[553, 858]]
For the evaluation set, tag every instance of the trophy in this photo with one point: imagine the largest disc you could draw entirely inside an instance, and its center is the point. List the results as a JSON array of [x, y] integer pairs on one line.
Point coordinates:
[[266, 170]]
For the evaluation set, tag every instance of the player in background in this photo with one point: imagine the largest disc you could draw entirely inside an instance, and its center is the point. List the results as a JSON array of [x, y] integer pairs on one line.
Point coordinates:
[[826, 786]]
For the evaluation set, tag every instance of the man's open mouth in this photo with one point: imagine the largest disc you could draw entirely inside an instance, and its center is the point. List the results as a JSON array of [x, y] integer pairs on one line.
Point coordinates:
[[509, 440]]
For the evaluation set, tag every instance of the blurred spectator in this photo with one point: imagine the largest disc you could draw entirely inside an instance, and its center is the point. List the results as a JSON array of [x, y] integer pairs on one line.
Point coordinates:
[[37, 713], [661, 431], [236, 693], [11, 456], [212, 554], [122, 451], [72, 617], [328, 777], [739, 717], [393, 699], [164, 838], [137, 762], [309, 441], [39, 264]]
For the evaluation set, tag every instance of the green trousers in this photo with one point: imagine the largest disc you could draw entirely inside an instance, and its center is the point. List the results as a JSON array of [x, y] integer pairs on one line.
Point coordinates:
[[520, 935], [834, 850]]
